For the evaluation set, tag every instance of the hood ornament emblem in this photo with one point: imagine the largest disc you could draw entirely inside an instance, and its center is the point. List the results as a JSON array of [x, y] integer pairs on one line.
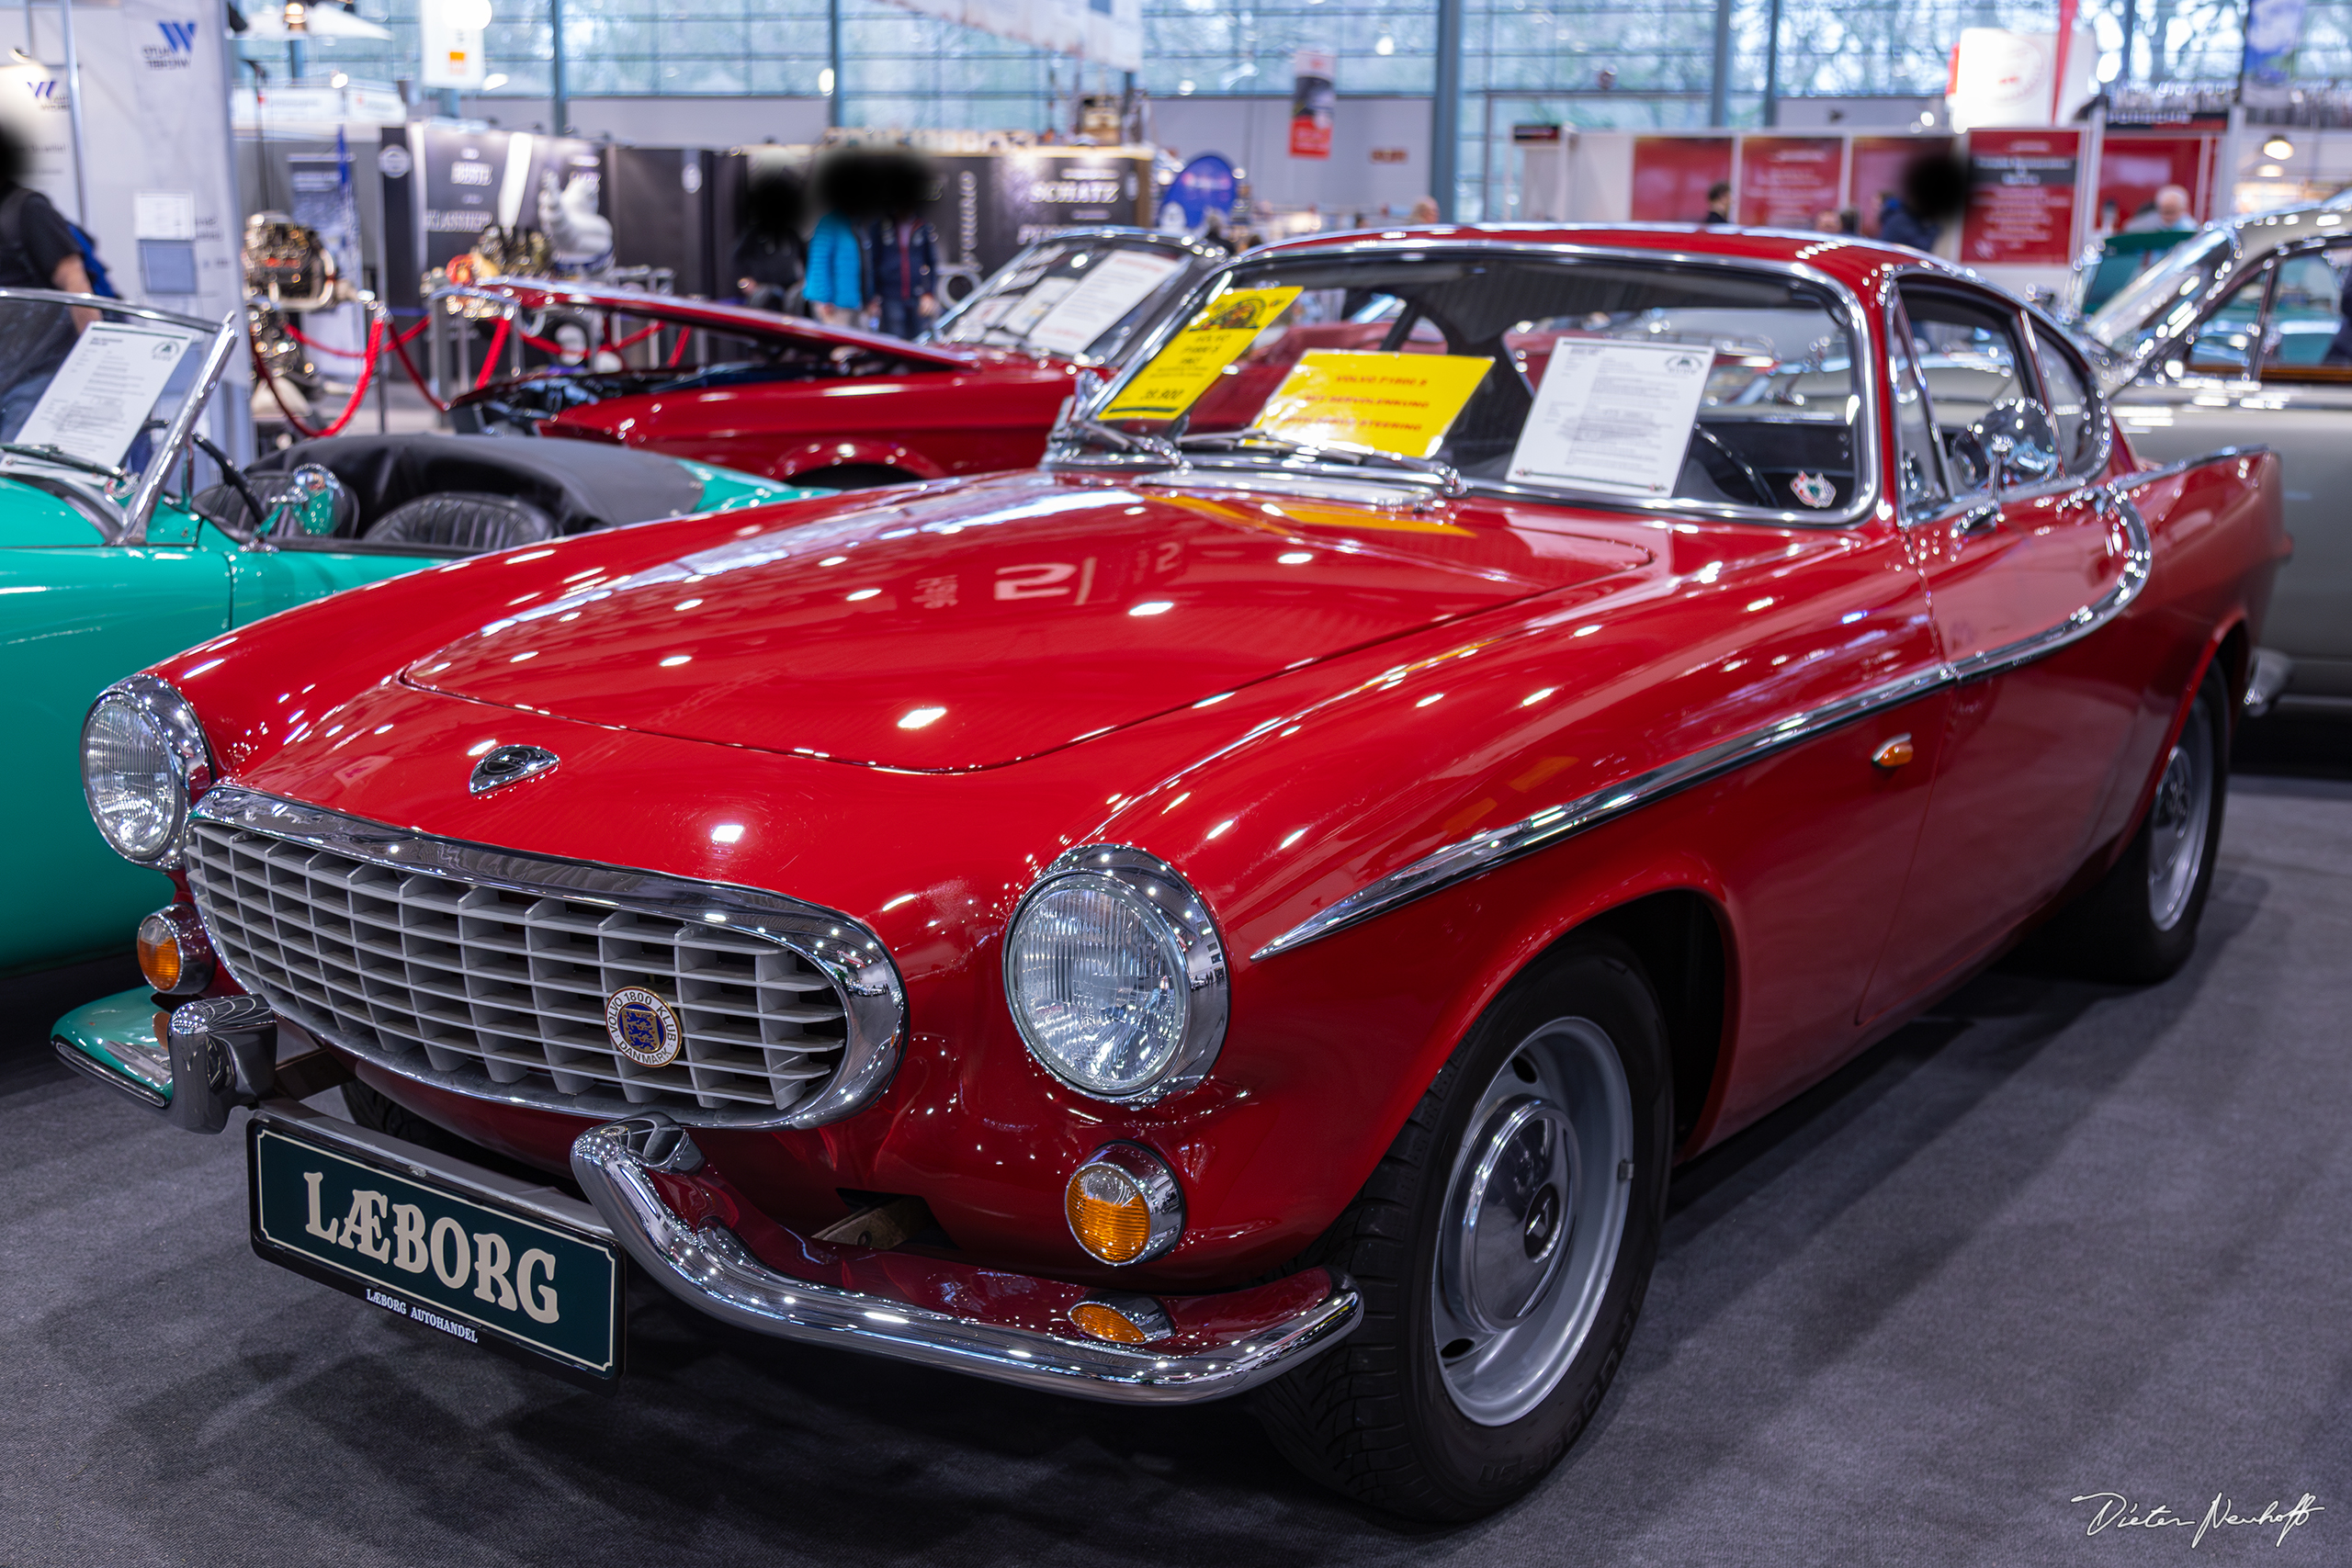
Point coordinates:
[[503, 765]]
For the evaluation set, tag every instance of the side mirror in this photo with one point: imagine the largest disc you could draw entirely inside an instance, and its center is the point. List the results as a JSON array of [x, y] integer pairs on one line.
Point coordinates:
[[311, 501], [2020, 442]]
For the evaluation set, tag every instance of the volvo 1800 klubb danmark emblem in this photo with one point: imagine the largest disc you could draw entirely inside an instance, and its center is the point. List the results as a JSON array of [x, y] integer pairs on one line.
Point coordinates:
[[642, 1027]]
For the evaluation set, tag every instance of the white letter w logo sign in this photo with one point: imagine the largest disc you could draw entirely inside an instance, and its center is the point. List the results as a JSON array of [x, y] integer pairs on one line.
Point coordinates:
[[180, 37]]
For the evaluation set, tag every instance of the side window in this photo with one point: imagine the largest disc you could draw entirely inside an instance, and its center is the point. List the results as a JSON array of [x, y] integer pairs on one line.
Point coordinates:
[[1969, 358], [2223, 344], [2072, 407], [1918, 469], [2308, 338]]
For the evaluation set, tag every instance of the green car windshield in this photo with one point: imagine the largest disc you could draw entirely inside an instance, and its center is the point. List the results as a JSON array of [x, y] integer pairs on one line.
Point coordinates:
[[2163, 300], [92, 390]]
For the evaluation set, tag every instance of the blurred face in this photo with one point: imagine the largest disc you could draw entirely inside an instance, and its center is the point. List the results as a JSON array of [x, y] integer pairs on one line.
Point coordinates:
[[2172, 203]]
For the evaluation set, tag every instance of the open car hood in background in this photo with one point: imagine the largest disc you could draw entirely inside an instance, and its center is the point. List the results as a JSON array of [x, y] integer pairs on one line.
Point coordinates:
[[740, 320], [987, 624]]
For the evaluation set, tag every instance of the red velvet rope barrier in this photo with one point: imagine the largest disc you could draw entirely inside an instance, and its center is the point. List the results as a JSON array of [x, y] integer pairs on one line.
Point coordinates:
[[489, 359], [358, 390], [399, 352]]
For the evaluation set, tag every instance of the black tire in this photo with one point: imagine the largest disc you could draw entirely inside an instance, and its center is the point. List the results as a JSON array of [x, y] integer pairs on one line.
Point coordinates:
[[2122, 930], [1378, 1417], [371, 1108]]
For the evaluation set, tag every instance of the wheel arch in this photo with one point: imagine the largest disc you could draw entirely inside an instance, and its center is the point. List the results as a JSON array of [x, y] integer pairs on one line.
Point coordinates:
[[1680, 935]]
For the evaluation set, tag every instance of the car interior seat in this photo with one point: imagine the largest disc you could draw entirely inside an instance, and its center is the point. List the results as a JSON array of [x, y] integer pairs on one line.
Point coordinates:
[[466, 520]]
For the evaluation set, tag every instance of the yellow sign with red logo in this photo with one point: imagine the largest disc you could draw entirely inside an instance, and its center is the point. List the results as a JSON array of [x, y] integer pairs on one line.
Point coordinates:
[[1391, 403], [1197, 356]]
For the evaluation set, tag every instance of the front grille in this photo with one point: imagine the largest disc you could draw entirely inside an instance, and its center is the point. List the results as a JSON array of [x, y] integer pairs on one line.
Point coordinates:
[[500, 991]]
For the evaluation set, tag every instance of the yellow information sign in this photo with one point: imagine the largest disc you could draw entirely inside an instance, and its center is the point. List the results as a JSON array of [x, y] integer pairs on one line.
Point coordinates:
[[1195, 358], [1390, 403]]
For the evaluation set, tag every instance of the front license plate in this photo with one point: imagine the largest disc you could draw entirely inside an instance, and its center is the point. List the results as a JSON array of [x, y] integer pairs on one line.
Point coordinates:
[[458, 1262]]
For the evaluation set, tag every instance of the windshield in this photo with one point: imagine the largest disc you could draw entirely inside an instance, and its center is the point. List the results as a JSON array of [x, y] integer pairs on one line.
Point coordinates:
[[2162, 300], [1084, 296], [1611, 378], [91, 391]]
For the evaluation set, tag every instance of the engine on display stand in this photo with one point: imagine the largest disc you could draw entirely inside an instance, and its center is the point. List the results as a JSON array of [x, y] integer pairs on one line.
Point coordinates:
[[290, 272]]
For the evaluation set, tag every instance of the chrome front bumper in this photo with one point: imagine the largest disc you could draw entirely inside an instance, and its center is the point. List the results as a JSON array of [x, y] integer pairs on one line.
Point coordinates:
[[1012, 1328]]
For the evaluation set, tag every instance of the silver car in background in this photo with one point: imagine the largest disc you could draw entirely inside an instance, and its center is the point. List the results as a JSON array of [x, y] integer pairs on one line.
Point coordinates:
[[2240, 339]]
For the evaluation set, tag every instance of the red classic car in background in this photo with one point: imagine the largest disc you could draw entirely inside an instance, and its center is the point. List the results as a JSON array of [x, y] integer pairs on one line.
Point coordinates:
[[786, 397], [1281, 874]]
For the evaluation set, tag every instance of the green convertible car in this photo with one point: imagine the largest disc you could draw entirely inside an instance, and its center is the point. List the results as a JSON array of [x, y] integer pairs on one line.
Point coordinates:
[[111, 558]]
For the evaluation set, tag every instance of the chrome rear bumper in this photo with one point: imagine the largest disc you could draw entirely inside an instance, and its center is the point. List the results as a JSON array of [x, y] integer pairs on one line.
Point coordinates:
[[1010, 1329]]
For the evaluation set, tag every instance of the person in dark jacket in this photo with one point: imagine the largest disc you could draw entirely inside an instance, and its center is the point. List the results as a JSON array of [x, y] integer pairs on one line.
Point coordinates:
[[38, 250], [771, 259], [1935, 188], [901, 249], [1718, 203]]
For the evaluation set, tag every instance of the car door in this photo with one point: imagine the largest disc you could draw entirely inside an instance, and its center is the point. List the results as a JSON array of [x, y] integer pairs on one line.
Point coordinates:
[[2297, 398], [2030, 738]]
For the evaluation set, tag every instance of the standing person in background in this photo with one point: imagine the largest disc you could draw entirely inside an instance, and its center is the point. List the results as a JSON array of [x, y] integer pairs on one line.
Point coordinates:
[[1718, 203], [1935, 190], [2167, 214], [38, 250], [1424, 211], [772, 259], [904, 248], [836, 285]]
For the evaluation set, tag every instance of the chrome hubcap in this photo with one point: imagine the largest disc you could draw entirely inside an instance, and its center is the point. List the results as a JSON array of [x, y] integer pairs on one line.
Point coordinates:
[[1533, 1211], [2183, 810]]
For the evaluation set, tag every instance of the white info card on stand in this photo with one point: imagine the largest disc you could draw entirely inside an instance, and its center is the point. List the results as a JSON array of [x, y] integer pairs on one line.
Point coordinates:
[[1612, 416], [100, 397]]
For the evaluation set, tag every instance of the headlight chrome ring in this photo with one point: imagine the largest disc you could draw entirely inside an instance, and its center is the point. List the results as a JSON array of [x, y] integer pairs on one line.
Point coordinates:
[[142, 712], [1174, 933]]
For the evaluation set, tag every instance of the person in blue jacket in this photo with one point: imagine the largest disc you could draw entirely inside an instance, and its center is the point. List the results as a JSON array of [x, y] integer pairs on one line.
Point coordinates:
[[902, 249], [837, 287]]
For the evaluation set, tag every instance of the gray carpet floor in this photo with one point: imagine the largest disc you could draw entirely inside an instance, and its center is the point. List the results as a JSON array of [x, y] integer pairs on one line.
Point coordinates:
[[2056, 1240]]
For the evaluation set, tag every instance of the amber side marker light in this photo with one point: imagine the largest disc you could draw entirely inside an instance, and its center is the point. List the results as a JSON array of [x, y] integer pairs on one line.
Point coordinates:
[[1122, 1205], [173, 953], [1122, 1320], [1895, 753]]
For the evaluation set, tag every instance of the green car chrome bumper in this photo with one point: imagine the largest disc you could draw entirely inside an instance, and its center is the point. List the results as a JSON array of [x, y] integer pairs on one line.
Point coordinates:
[[117, 1039]]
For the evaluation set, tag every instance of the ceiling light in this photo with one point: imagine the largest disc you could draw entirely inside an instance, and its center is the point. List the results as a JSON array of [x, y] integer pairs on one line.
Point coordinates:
[[494, 80], [2278, 147]]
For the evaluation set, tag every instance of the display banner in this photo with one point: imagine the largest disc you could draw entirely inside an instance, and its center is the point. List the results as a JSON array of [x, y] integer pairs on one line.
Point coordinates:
[[475, 178], [992, 204], [2021, 187], [1875, 169], [1312, 103], [1788, 182], [1672, 173], [34, 100], [2274, 30], [449, 32], [1205, 185], [1109, 32]]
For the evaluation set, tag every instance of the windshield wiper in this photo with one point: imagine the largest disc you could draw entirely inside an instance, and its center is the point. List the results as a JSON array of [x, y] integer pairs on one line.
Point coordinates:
[[49, 454], [1123, 440], [1254, 439]]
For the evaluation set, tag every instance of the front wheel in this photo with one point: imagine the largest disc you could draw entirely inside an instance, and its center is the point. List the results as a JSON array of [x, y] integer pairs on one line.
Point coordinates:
[[2139, 925], [1503, 1247]]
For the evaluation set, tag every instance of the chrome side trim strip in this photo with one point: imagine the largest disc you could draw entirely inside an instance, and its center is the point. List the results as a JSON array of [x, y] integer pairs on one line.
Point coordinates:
[[711, 1270], [1483, 852], [874, 1002]]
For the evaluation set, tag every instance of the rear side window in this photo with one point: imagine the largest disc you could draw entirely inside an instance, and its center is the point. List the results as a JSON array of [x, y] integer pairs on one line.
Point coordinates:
[[1969, 354], [2071, 405]]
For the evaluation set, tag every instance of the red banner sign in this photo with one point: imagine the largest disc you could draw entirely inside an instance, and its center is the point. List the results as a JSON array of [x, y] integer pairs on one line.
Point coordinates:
[[1789, 181], [1673, 173], [2021, 197]]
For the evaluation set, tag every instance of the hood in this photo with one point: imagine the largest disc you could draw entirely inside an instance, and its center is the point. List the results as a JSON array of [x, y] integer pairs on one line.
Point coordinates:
[[993, 622]]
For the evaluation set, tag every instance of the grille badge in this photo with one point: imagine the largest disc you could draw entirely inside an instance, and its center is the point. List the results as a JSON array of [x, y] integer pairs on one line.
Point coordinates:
[[642, 1027], [509, 764]]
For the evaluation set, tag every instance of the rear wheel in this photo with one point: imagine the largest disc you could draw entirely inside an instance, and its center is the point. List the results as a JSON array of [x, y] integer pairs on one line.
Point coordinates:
[[1503, 1247], [2139, 925]]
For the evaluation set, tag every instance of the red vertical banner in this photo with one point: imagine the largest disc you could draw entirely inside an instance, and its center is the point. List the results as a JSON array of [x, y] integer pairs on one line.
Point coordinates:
[[2022, 187], [1789, 181], [1312, 102], [1879, 162], [1673, 173]]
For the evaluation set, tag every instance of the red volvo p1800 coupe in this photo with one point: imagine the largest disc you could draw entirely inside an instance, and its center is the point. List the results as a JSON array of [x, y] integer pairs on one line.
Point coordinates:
[[1469, 718]]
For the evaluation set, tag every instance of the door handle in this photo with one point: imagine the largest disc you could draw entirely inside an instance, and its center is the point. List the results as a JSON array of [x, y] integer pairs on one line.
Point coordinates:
[[1976, 520]]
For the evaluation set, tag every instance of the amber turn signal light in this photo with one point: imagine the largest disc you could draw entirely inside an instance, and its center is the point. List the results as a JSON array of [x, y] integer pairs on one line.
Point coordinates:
[[1895, 753], [1121, 1320], [1122, 1205], [173, 953]]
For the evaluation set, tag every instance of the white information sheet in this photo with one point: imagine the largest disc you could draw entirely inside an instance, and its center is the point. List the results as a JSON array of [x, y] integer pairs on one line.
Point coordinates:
[[1612, 416], [1113, 286], [163, 215], [103, 394], [1034, 305]]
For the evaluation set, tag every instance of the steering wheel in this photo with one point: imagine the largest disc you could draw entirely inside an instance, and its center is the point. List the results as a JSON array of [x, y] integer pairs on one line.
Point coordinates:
[[1721, 462], [238, 482]]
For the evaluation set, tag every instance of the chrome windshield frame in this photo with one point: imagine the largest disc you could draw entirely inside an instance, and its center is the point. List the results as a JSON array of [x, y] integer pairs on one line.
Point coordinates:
[[1848, 308], [128, 518], [1106, 234]]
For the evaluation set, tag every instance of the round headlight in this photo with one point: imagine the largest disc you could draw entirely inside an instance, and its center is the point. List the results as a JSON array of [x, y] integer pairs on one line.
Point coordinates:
[[1115, 975], [143, 761]]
